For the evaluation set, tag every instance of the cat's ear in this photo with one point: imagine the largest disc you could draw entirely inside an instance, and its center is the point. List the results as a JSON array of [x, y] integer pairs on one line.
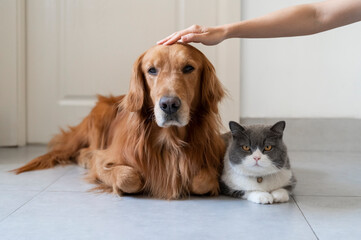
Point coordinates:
[[235, 127], [278, 127]]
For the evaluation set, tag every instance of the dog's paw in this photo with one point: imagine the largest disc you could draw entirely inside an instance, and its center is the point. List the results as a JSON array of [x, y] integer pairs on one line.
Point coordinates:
[[260, 197], [280, 195], [85, 158], [127, 179], [204, 183]]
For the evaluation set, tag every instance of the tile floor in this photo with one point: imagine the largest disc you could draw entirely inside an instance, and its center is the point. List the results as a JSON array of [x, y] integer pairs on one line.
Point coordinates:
[[56, 204]]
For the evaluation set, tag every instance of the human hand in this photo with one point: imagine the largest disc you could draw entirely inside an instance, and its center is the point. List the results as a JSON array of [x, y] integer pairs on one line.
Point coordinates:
[[197, 34]]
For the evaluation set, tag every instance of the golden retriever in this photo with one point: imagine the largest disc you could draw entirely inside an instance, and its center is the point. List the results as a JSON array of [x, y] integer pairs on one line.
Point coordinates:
[[161, 139]]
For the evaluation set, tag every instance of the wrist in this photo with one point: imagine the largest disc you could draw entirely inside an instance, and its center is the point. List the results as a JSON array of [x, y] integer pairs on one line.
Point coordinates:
[[233, 30], [223, 32]]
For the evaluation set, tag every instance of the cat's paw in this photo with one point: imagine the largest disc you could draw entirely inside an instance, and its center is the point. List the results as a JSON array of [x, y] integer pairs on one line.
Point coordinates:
[[280, 195], [260, 197]]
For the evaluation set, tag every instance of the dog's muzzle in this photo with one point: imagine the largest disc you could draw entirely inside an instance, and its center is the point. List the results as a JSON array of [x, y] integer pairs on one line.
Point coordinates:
[[170, 112], [170, 105]]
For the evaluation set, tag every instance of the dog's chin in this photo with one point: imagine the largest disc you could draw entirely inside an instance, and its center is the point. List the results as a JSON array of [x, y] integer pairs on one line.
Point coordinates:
[[170, 121], [174, 120]]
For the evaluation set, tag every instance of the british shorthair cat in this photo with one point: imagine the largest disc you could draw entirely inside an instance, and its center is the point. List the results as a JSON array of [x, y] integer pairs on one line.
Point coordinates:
[[256, 164]]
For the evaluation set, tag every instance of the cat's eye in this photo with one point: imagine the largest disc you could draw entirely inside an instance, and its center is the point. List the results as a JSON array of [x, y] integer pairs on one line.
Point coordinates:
[[268, 148], [245, 148], [152, 71]]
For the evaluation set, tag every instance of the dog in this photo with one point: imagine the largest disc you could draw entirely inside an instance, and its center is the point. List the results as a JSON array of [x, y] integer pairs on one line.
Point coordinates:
[[162, 139]]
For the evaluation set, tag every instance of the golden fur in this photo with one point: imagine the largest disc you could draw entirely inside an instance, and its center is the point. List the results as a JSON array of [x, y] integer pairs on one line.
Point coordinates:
[[125, 149]]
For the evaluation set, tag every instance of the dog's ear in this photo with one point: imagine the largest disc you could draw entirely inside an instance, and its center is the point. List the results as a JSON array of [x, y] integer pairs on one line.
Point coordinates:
[[134, 100], [212, 89]]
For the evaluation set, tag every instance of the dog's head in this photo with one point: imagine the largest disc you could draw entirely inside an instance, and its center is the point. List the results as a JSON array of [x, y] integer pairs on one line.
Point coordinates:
[[176, 81]]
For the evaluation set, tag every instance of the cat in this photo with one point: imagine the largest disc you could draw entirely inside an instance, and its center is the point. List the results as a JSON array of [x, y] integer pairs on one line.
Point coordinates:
[[256, 164]]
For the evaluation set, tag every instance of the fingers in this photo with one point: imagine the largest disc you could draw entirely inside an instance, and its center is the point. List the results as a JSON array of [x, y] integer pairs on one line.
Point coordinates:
[[204, 38], [179, 35], [173, 38], [166, 39], [192, 37]]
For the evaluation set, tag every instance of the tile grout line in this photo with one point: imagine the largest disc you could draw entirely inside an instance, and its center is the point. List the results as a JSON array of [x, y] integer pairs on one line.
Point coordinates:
[[322, 151], [335, 196], [305, 218], [2, 220]]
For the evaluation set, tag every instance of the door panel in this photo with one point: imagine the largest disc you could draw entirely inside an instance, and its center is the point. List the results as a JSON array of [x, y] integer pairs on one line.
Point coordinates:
[[77, 49]]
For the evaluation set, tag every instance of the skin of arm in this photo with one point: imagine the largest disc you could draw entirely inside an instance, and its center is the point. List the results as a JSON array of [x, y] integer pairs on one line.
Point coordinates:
[[297, 20]]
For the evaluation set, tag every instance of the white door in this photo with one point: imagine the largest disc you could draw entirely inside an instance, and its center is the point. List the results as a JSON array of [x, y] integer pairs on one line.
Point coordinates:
[[77, 49]]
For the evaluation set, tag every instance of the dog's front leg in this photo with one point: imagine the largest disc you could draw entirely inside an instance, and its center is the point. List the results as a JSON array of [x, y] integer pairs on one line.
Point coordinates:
[[205, 182], [122, 178]]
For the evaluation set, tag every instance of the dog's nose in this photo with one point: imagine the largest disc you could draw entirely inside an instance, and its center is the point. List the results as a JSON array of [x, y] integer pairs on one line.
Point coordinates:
[[170, 105]]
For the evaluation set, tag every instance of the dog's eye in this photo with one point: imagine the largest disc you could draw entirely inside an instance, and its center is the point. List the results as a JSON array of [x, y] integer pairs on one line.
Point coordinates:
[[152, 71], [188, 69]]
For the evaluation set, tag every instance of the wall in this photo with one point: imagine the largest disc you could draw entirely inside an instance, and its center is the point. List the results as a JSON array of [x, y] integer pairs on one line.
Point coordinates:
[[316, 76]]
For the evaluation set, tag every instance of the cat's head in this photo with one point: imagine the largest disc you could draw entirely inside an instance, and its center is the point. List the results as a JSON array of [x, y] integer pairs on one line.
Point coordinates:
[[257, 150]]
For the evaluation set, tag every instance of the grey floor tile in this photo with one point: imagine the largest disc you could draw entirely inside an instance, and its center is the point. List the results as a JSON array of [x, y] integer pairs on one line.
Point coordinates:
[[31, 181], [65, 210], [327, 173], [10, 201], [76, 215], [333, 217], [72, 181], [11, 158], [20, 154]]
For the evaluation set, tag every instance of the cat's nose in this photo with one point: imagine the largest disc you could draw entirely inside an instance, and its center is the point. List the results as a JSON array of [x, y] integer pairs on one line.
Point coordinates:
[[256, 158]]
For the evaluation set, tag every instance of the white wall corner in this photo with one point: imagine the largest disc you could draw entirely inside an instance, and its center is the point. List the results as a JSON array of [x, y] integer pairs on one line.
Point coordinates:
[[229, 63], [21, 71]]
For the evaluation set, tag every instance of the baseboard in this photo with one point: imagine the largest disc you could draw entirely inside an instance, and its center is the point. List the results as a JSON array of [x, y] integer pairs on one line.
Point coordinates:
[[317, 134]]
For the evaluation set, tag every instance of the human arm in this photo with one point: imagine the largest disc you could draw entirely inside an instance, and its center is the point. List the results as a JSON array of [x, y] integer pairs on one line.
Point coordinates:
[[292, 21]]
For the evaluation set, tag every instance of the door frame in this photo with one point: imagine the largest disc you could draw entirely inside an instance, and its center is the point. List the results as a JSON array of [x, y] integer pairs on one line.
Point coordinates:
[[17, 131]]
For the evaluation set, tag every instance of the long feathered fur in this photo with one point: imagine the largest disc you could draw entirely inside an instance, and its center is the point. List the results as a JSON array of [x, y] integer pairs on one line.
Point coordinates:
[[118, 134]]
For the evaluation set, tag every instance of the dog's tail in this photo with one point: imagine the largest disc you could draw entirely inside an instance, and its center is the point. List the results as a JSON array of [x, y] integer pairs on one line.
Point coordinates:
[[64, 149], [45, 161]]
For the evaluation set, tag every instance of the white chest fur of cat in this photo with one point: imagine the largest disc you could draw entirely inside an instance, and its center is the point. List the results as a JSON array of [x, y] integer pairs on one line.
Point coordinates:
[[256, 164]]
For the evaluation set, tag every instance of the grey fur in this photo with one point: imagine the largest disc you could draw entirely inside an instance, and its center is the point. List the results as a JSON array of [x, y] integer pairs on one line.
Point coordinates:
[[256, 136], [229, 191], [292, 184]]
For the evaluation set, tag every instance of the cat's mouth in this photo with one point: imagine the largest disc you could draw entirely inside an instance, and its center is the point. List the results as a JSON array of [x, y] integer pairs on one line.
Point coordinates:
[[257, 165]]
